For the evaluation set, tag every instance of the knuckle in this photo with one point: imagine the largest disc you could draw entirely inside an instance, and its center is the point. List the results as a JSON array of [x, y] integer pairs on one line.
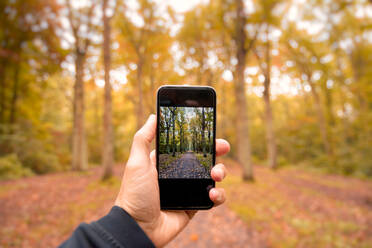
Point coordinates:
[[138, 135], [142, 136]]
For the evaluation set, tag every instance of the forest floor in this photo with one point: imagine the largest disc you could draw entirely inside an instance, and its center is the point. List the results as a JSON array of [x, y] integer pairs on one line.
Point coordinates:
[[187, 166], [287, 208]]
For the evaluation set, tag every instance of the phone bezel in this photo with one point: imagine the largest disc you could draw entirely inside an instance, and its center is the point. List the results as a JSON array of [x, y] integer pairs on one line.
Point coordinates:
[[193, 184]]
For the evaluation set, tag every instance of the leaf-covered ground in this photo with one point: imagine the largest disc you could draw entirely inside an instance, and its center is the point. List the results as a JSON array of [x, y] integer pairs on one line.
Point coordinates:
[[294, 208], [287, 208], [186, 166]]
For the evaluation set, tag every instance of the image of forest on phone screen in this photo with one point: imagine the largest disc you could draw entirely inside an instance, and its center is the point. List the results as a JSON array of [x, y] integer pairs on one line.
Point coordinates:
[[185, 142]]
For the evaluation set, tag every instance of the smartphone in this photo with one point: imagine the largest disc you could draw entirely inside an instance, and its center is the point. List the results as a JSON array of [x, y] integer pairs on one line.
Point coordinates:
[[185, 146]]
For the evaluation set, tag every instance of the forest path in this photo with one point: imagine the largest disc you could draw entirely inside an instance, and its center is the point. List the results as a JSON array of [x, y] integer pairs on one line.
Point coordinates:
[[187, 166], [286, 208], [42, 211], [217, 227]]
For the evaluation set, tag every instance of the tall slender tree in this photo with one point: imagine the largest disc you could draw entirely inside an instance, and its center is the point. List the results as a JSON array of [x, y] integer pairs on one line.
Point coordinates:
[[80, 19], [108, 139], [243, 138], [145, 46], [234, 45], [195, 39], [13, 103], [167, 127], [173, 111], [264, 58], [209, 119], [181, 121], [203, 132], [302, 55]]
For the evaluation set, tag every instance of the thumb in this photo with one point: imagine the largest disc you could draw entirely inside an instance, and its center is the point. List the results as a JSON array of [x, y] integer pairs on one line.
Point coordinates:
[[142, 140]]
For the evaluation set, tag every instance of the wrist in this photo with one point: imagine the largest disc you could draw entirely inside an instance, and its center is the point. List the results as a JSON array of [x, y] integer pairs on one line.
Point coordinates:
[[148, 227], [150, 230], [122, 228]]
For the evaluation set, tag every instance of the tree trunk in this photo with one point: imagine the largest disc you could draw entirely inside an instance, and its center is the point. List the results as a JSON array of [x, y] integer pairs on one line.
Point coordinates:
[[174, 133], [196, 148], [321, 121], [79, 156], [270, 135], [97, 118], [181, 139], [329, 105], [13, 104], [243, 139], [167, 140], [202, 133], [2, 93], [107, 151], [140, 93], [166, 119], [182, 134], [209, 139], [341, 79], [3, 72]]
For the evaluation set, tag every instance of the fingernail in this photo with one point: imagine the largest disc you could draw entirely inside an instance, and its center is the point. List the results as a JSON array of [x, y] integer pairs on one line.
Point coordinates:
[[213, 193]]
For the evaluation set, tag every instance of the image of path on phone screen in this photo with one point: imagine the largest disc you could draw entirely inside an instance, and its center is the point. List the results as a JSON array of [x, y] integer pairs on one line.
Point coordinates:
[[185, 142]]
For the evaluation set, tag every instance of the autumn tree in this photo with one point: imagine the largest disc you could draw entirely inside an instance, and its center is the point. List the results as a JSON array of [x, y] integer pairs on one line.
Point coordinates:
[[108, 140], [263, 52], [203, 126], [181, 122], [194, 128], [173, 111], [166, 126], [209, 119], [315, 80], [30, 57], [242, 47], [196, 39], [28, 41], [302, 52], [80, 20], [145, 46]]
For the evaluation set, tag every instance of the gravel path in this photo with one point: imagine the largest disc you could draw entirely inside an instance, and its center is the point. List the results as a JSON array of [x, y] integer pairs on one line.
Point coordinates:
[[188, 166], [218, 227]]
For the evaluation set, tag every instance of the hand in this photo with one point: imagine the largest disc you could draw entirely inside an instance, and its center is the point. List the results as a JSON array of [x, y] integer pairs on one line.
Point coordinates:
[[139, 191]]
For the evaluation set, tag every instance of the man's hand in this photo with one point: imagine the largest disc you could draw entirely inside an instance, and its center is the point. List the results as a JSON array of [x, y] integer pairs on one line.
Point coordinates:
[[139, 191]]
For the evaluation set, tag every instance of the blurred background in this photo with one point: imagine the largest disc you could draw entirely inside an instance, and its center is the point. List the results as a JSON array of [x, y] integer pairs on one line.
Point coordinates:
[[294, 90]]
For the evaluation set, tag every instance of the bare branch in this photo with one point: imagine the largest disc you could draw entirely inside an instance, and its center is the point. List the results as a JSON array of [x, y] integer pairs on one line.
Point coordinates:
[[71, 21], [89, 28], [253, 40], [115, 10], [259, 60]]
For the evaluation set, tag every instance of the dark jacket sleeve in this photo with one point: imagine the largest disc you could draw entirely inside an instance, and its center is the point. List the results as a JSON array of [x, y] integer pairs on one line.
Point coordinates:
[[117, 229]]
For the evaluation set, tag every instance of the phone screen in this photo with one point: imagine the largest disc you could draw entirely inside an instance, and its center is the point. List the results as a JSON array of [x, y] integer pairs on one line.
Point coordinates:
[[186, 124], [186, 142]]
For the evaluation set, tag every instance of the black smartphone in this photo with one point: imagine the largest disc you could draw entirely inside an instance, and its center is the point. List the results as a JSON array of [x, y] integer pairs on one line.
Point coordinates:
[[185, 146]]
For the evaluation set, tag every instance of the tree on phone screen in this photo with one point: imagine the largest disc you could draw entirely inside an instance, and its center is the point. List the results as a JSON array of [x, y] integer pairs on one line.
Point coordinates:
[[173, 111]]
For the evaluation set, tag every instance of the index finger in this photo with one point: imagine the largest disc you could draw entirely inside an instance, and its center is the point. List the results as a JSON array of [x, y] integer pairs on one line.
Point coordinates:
[[222, 147]]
